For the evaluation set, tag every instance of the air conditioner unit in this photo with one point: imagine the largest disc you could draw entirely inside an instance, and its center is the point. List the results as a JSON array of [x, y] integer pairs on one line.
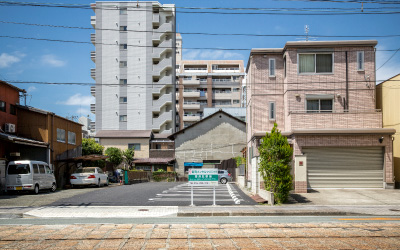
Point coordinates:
[[9, 128]]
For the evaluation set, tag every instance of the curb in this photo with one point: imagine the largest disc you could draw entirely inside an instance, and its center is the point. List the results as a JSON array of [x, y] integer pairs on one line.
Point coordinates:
[[269, 213]]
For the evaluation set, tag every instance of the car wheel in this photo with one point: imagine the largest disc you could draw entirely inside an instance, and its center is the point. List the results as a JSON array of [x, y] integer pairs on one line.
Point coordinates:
[[107, 182], [53, 187], [98, 183], [36, 189], [224, 180]]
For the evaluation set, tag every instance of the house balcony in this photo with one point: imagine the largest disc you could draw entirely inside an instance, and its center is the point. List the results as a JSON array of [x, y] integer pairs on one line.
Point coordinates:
[[93, 108], [192, 94], [165, 27], [163, 118], [93, 56], [191, 105], [93, 73], [156, 18], [161, 66], [93, 90], [335, 120], [191, 118], [93, 21], [93, 38], [163, 100], [165, 45]]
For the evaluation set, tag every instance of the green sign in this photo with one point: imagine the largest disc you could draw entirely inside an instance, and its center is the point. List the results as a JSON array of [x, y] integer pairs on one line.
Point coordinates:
[[203, 177]]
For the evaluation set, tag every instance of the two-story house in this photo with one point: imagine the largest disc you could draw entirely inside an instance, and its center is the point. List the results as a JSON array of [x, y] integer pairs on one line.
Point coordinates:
[[322, 96]]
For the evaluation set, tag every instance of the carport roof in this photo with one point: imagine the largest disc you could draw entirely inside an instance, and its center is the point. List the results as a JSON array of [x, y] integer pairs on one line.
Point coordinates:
[[22, 140]]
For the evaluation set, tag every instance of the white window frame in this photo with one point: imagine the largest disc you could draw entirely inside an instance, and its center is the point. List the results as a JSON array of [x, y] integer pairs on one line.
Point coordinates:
[[123, 118], [319, 98], [315, 63], [271, 70], [360, 54], [60, 135], [71, 138], [272, 111]]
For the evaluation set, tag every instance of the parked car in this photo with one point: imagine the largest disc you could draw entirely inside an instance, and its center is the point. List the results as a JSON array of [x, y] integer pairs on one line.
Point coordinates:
[[224, 176], [29, 176], [89, 176]]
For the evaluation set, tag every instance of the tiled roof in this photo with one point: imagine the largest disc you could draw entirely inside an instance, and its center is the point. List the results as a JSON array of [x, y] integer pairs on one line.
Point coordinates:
[[123, 134]]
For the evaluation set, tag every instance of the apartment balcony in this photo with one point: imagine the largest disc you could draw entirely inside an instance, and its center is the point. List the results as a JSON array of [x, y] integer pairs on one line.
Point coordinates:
[[161, 66], [335, 120], [163, 100], [191, 118], [192, 94], [163, 118], [93, 38], [93, 73], [194, 70], [164, 82], [93, 90], [191, 105], [226, 70], [93, 21], [165, 27], [156, 18], [93, 108], [92, 126], [222, 95], [93, 56], [192, 82], [165, 45]]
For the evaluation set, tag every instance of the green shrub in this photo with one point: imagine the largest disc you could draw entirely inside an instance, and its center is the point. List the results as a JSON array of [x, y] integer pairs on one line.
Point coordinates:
[[161, 175]]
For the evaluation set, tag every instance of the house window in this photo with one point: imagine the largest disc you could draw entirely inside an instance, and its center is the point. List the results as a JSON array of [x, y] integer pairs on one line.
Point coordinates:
[[71, 138], [123, 11], [13, 110], [284, 66], [315, 63], [123, 99], [123, 64], [60, 135], [360, 60], [272, 67], [123, 46], [3, 106], [123, 28], [272, 111], [123, 118], [134, 146], [123, 81], [319, 105]]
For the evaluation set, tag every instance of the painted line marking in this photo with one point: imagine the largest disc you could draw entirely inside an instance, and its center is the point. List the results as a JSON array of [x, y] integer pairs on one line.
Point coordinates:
[[367, 218]]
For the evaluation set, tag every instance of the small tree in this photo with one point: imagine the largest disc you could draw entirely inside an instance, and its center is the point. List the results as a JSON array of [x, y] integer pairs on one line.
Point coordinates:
[[275, 157], [128, 157], [115, 156], [91, 147]]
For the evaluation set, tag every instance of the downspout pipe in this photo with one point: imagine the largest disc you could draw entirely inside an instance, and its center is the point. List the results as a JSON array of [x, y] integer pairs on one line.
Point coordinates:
[[346, 104]]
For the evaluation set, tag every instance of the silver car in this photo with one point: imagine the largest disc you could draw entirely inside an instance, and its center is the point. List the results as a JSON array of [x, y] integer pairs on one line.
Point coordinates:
[[89, 176], [224, 176]]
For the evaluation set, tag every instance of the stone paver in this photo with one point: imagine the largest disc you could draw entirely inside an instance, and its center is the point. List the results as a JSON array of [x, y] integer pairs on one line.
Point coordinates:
[[206, 236]]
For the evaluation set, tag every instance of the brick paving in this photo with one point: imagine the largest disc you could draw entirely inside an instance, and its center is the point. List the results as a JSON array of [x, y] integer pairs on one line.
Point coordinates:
[[202, 236]]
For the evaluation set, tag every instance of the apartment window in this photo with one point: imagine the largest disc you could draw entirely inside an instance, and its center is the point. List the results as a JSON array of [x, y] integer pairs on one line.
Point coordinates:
[[3, 106], [123, 11], [187, 78], [123, 64], [320, 105], [71, 138], [123, 28], [123, 99], [235, 89], [123, 81], [272, 111], [13, 109], [315, 63], [123, 46], [134, 146], [236, 101], [60, 135], [272, 67], [235, 78], [123, 118], [360, 60]]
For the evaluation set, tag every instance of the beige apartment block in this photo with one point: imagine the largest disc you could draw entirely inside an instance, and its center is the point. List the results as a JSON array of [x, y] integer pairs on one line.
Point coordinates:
[[388, 100], [322, 96], [207, 83]]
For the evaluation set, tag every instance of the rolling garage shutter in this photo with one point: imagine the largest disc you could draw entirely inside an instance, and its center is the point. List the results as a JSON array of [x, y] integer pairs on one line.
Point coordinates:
[[344, 167]]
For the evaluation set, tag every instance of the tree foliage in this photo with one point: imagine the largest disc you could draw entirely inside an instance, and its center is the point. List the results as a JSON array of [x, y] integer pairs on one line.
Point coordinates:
[[275, 158], [115, 155], [91, 147], [128, 156]]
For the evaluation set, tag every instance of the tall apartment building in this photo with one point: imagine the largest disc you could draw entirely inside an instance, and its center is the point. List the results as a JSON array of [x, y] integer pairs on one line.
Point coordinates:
[[207, 84], [322, 96], [135, 59]]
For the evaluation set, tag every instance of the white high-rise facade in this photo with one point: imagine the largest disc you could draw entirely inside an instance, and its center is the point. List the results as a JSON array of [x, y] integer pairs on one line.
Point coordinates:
[[135, 66]]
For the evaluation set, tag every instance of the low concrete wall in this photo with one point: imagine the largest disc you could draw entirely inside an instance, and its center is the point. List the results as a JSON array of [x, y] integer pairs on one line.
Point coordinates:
[[241, 181]]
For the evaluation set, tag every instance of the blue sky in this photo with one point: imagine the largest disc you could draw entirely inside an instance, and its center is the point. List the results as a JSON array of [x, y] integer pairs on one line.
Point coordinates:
[[60, 62]]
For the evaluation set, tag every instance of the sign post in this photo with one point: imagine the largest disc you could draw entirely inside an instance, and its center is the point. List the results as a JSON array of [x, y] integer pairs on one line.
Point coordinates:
[[203, 177]]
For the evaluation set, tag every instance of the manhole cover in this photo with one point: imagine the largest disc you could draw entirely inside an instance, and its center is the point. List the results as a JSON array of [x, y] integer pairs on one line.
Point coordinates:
[[143, 210]]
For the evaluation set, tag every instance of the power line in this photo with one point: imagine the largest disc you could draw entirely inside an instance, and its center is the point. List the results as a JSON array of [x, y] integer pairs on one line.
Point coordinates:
[[388, 59], [196, 33]]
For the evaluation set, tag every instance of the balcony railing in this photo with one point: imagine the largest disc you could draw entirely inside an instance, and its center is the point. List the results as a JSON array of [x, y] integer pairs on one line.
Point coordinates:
[[165, 45], [163, 100], [163, 118], [303, 119], [93, 108], [93, 38], [166, 27], [93, 21], [191, 105], [93, 90], [156, 18], [197, 69], [191, 117], [162, 65], [93, 73], [164, 82], [93, 56]]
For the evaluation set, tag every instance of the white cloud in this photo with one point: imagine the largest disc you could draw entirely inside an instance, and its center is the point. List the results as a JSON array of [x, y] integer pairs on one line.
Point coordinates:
[[6, 60], [31, 89], [78, 100], [82, 112], [211, 55], [52, 61], [391, 67]]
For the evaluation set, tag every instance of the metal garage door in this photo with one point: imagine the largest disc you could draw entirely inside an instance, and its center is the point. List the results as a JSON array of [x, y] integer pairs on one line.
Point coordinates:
[[344, 167]]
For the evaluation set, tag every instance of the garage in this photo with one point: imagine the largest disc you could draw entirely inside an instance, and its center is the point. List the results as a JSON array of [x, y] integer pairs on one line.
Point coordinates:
[[345, 167]]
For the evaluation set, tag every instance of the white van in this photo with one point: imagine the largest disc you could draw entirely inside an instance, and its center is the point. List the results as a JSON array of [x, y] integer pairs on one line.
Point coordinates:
[[30, 175]]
